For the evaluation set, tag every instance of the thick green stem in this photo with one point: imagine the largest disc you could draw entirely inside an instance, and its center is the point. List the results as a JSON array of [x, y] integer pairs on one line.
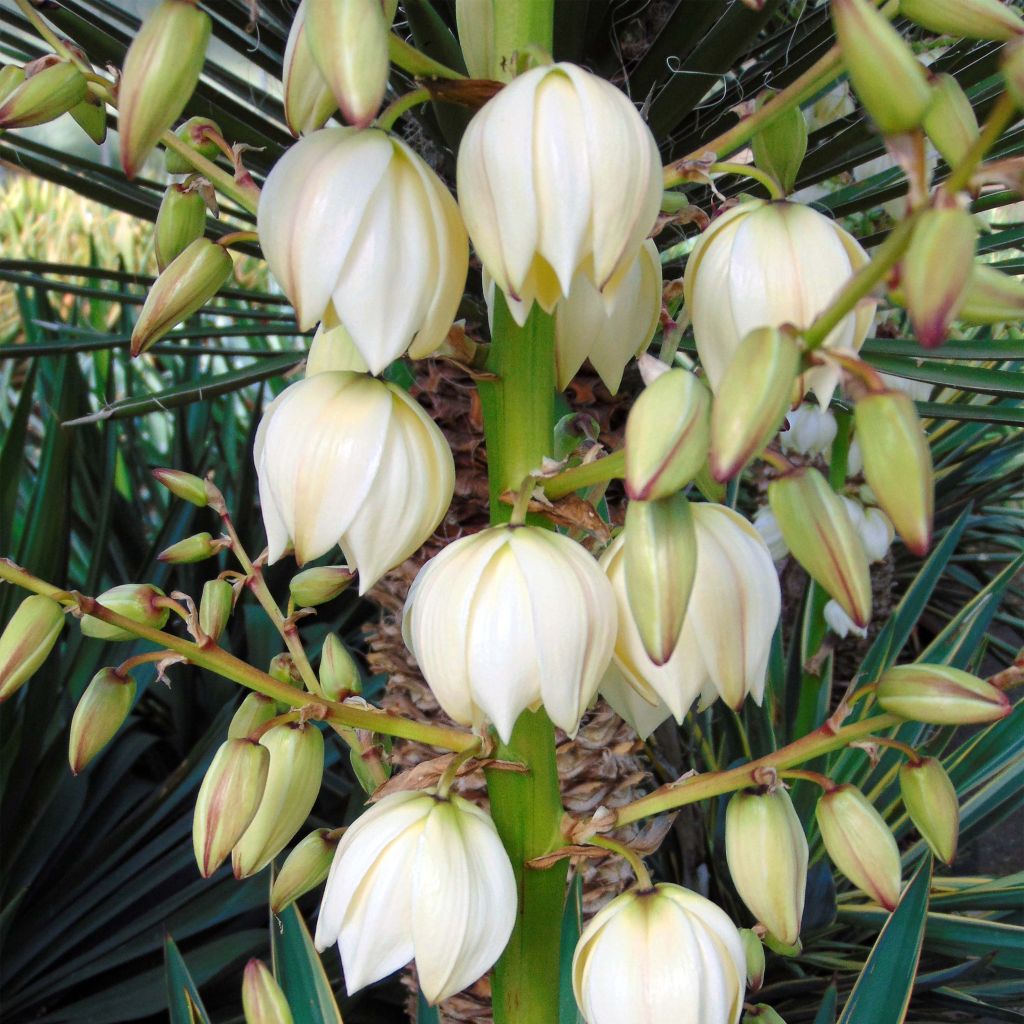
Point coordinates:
[[517, 25]]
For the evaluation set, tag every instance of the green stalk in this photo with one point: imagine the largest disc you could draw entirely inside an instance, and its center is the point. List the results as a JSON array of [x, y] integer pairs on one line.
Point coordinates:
[[519, 24]]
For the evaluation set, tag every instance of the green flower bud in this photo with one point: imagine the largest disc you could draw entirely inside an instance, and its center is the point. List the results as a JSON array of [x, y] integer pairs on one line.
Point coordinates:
[[666, 436], [135, 601], [308, 100], [762, 1013], [316, 586], [766, 849], [885, 74], [304, 869], [196, 548], [339, 674], [898, 464], [753, 950], [188, 283], [283, 668], [992, 297], [193, 132], [263, 1002], [254, 711], [821, 536], [161, 69], [11, 76], [91, 117], [1013, 71], [860, 844], [930, 799], [27, 640], [215, 607], [100, 713], [937, 270], [971, 19], [184, 485], [950, 122], [296, 768], [940, 695], [752, 399], [660, 559], [180, 221], [780, 147], [228, 800], [42, 96]]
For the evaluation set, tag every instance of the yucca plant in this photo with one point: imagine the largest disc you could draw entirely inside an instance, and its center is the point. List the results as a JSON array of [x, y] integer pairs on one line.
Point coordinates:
[[850, 221]]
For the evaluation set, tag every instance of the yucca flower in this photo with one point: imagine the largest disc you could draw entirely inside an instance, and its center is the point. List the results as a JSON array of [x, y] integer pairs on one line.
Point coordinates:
[[764, 264], [557, 175], [354, 223], [346, 459], [508, 619], [419, 876]]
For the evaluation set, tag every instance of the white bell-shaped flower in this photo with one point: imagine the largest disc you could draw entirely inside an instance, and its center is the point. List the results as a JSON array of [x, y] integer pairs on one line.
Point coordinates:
[[810, 430], [332, 349], [626, 701], [873, 526], [558, 174], [730, 619], [419, 876], [508, 619], [659, 955], [768, 526], [840, 623], [764, 264], [346, 459], [355, 222]]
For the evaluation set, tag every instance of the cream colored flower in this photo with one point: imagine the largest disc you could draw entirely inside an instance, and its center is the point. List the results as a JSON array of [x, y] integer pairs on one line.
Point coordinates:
[[423, 877], [346, 459], [730, 619], [628, 703], [764, 264], [332, 349], [354, 224], [657, 956], [558, 174], [810, 430], [509, 619]]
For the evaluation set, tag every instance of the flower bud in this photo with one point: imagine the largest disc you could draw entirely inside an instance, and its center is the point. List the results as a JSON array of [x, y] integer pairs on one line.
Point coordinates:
[[752, 399], [283, 668], [970, 19], [339, 674], [817, 530], [333, 349], [761, 1013], [557, 174], [215, 607], [509, 618], [349, 43], [940, 695], [886, 76], [293, 782], [263, 1002], [1013, 71], [189, 282], [303, 869], [194, 133], [308, 100], [179, 222], [321, 584], [196, 548], [992, 297], [950, 122], [100, 712], [648, 952], [27, 640], [898, 464], [346, 219], [779, 148], [753, 950], [660, 557], [11, 76], [764, 264], [135, 601], [161, 69], [91, 117], [345, 459], [766, 849], [184, 485], [254, 711], [42, 96], [419, 876], [810, 430], [931, 801], [228, 800], [937, 271], [860, 844], [666, 436], [840, 623]]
